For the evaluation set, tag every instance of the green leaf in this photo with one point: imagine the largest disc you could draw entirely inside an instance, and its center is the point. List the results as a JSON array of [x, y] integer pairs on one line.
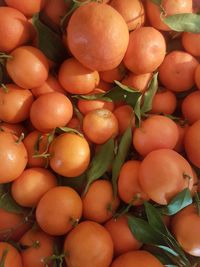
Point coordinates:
[[120, 157], [76, 183], [49, 42], [179, 202], [68, 130], [137, 111], [7, 202], [168, 250], [143, 232], [154, 218], [100, 162], [187, 22], [157, 2], [149, 94]]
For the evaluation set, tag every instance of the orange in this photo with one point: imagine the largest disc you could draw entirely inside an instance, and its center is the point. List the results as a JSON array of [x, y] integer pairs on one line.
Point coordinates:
[[40, 246], [132, 11], [139, 82], [31, 185], [14, 29], [154, 133], [16, 129], [122, 236], [28, 8], [170, 7], [59, 210], [182, 129], [70, 155], [15, 104], [164, 101], [125, 117], [12, 258], [146, 50], [157, 182], [190, 107], [98, 36], [77, 79], [28, 67], [129, 188], [13, 156], [177, 71], [30, 142], [85, 106], [89, 244], [99, 203], [100, 125], [185, 225], [136, 258], [191, 143], [197, 76], [51, 110], [191, 43], [50, 85], [115, 74]]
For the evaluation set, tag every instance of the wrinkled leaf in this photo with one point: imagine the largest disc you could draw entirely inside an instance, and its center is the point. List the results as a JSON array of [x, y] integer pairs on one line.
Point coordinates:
[[143, 232], [100, 162], [149, 94], [187, 22], [49, 42], [179, 202], [7, 202], [120, 157]]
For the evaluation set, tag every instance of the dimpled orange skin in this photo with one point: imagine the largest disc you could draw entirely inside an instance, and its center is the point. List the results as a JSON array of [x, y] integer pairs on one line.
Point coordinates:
[[50, 85], [100, 125], [31, 185], [191, 143], [51, 110], [89, 244], [136, 258], [34, 256], [146, 50], [157, 182], [177, 72], [58, 210], [128, 183], [185, 227], [93, 36], [132, 11], [13, 257], [122, 236], [76, 78], [70, 155], [155, 132], [171, 7], [30, 140], [14, 29], [15, 104], [99, 203], [28, 67], [197, 77], [28, 8], [13, 156]]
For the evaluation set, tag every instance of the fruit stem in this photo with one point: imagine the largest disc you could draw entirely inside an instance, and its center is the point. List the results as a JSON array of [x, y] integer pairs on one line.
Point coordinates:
[[4, 88], [20, 139], [3, 258], [6, 56]]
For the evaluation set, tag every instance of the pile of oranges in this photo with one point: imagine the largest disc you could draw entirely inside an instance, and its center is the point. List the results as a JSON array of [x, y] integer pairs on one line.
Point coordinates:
[[99, 133]]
